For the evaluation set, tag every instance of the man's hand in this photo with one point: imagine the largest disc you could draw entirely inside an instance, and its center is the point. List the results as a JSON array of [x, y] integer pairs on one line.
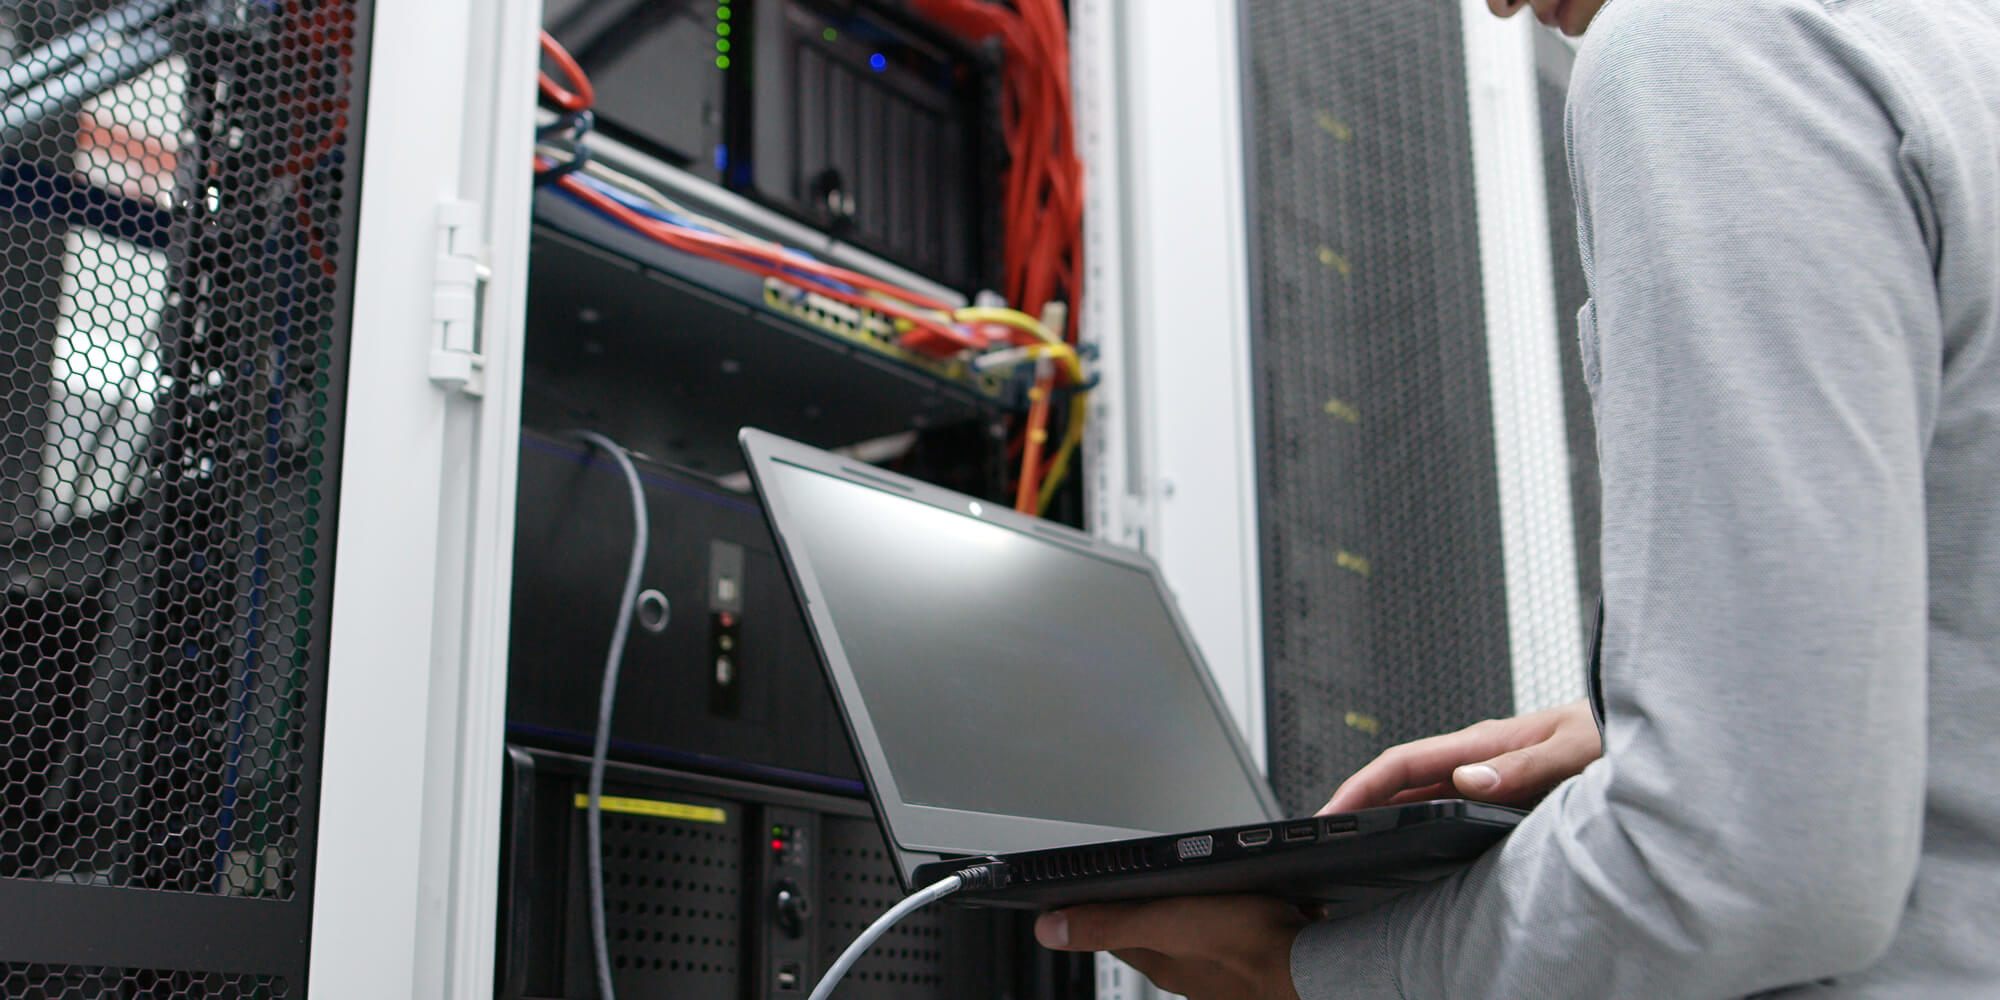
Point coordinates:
[[1507, 761], [1204, 948]]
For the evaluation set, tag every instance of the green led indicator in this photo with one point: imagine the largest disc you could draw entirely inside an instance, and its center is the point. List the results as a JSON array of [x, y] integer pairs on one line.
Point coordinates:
[[722, 13], [721, 62], [722, 45], [722, 29], [830, 35]]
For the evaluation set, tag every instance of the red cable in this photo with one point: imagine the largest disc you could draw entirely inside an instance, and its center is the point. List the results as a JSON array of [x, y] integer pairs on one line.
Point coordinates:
[[752, 258], [1027, 493], [583, 96]]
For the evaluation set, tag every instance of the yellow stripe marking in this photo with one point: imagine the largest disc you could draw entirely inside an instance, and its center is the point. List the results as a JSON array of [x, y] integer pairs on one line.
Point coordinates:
[[654, 807]]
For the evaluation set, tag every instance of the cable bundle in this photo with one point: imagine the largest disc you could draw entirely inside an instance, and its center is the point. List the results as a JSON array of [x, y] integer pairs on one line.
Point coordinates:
[[1043, 209], [1041, 251]]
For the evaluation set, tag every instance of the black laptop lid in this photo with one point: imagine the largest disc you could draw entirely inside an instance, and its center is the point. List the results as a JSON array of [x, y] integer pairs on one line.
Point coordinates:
[[1010, 684]]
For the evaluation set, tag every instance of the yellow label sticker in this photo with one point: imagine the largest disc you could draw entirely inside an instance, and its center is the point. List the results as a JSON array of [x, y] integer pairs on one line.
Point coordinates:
[[1335, 261], [1335, 127], [1366, 723], [654, 807], [1352, 563], [1341, 410]]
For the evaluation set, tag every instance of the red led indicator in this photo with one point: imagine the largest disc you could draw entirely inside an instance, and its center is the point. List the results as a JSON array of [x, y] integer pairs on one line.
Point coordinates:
[[777, 845]]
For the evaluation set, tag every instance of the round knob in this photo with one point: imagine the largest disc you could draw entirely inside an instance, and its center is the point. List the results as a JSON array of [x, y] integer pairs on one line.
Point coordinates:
[[792, 908]]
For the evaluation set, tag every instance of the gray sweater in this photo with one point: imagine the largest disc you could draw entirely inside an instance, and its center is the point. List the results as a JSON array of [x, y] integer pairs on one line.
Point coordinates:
[[1791, 223]]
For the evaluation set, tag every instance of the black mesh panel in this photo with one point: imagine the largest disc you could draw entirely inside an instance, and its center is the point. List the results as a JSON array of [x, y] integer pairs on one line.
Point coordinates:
[[177, 200], [71, 982], [858, 884], [1385, 614]]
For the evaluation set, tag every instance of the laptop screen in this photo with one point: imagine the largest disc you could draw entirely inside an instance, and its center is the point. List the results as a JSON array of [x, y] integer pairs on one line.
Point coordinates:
[[1010, 673]]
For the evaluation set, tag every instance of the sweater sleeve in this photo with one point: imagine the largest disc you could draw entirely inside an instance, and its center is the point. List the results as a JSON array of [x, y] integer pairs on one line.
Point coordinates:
[[1765, 350]]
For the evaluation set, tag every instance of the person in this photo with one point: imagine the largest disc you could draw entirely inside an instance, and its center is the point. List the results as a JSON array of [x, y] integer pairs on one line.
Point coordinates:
[[1790, 220]]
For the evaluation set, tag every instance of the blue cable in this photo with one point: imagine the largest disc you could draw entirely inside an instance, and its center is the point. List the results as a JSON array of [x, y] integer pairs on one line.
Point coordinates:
[[655, 212]]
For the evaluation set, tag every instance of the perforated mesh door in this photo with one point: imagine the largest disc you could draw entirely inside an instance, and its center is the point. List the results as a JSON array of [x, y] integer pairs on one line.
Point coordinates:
[[1553, 61], [22, 981], [177, 200], [1385, 613]]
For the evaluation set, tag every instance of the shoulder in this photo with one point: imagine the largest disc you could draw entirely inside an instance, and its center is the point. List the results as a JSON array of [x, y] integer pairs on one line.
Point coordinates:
[[1668, 42], [1702, 64]]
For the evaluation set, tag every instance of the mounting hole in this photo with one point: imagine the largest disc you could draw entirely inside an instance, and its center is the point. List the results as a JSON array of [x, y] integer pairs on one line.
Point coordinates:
[[653, 611]]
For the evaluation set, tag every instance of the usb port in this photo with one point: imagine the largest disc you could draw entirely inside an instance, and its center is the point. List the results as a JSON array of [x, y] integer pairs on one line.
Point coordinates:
[[1336, 825], [788, 976], [1254, 838], [1296, 832]]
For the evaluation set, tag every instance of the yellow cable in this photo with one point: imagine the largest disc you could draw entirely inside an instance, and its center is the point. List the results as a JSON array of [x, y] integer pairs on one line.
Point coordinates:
[[1079, 410], [1079, 406], [1019, 320]]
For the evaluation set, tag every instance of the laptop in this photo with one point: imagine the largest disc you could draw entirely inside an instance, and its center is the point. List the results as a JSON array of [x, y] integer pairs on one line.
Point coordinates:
[[1021, 692]]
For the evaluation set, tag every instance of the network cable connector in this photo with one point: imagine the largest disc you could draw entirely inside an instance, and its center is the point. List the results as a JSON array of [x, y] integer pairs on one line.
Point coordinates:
[[877, 332], [828, 314]]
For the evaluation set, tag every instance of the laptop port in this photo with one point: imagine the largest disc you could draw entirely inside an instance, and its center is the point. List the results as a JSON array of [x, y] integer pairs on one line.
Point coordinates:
[[1189, 848], [1254, 838], [1295, 832], [1336, 825]]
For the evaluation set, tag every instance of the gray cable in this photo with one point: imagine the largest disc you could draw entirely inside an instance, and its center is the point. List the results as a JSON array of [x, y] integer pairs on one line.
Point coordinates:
[[60, 94], [57, 54], [594, 820], [916, 901]]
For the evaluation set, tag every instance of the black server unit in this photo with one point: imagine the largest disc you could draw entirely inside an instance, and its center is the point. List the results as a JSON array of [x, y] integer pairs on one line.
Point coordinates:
[[856, 118], [731, 890], [1383, 585], [178, 196], [731, 683]]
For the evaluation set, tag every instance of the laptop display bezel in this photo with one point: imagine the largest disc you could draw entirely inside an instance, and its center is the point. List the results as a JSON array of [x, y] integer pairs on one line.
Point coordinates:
[[921, 833]]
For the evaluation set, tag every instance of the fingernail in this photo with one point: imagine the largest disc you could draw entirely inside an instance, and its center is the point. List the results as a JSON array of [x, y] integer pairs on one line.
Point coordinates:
[[1476, 777], [1052, 930]]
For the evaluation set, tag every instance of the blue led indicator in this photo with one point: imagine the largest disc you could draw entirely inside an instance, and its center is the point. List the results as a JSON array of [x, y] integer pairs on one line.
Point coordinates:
[[721, 157], [878, 62]]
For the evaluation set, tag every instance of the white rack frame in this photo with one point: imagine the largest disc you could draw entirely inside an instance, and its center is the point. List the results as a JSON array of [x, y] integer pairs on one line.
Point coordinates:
[[405, 885]]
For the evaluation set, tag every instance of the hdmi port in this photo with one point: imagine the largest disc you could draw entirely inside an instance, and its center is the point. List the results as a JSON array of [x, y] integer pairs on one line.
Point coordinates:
[[1254, 838]]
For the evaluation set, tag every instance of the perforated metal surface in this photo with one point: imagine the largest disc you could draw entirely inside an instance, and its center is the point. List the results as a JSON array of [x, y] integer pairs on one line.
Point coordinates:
[[673, 902], [1572, 290], [21, 981], [177, 189], [1385, 613], [909, 962]]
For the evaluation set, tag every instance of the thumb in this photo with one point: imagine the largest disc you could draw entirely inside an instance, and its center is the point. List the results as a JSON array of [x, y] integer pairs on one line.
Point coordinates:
[[1511, 777]]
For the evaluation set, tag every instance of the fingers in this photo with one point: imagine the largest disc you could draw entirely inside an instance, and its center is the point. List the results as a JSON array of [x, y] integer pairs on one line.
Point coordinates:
[[1213, 927], [1160, 927], [1441, 790], [1527, 774], [1423, 763], [1514, 776], [1187, 977], [1505, 8]]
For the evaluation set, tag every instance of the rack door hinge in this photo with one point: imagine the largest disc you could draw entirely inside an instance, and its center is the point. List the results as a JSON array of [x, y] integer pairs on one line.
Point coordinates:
[[456, 362]]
